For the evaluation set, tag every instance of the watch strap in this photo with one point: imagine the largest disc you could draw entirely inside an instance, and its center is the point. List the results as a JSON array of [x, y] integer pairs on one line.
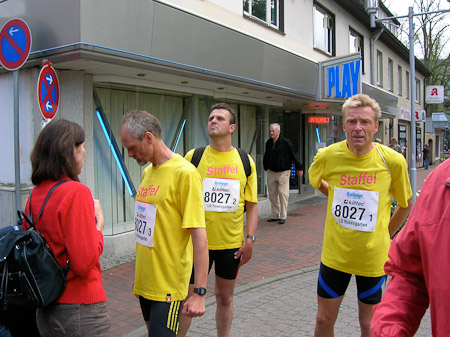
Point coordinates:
[[200, 291], [251, 237]]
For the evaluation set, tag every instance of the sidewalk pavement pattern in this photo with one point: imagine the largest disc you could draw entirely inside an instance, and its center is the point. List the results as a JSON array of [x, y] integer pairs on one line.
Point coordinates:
[[275, 292]]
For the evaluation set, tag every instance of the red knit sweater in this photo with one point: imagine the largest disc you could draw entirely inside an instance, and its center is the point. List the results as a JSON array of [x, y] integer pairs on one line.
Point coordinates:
[[68, 225]]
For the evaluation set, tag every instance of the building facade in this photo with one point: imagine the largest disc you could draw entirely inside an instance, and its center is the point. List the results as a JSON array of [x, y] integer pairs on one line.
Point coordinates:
[[291, 62]]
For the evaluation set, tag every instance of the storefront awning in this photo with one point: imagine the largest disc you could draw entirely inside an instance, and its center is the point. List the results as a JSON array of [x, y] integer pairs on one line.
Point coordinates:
[[388, 102]]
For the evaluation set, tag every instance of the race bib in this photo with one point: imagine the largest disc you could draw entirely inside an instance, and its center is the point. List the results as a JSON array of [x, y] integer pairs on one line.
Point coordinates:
[[144, 222], [221, 195], [355, 209]]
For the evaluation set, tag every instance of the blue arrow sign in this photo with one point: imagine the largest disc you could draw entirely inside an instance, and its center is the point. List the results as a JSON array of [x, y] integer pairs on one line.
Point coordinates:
[[15, 44]]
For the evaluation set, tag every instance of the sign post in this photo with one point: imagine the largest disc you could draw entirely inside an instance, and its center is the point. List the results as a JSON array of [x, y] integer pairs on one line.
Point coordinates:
[[15, 47]]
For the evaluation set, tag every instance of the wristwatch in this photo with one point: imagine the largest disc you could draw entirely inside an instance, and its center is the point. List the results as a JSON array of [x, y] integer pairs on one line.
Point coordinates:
[[200, 291], [251, 237]]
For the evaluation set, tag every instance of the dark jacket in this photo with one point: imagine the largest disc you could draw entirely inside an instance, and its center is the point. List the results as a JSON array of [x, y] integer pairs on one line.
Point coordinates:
[[280, 157]]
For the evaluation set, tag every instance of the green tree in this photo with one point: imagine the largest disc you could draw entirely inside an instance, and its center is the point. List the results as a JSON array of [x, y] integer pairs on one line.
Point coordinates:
[[432, 36]]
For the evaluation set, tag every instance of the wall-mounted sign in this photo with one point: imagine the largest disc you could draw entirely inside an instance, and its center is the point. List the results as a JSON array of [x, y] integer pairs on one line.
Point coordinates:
[[15, 44], [318, 120], [48, 91], [434, 94], [341, 77], [404, 114]]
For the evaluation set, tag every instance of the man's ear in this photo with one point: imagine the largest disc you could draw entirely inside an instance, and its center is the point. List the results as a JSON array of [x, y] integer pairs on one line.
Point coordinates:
[[232, 128], [148, 137]]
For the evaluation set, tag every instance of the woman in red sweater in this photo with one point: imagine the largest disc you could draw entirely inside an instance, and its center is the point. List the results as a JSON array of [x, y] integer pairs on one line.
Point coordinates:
[[72, 223]]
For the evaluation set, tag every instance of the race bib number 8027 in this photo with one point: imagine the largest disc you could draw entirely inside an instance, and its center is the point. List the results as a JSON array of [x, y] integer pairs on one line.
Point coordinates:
[[221, 195], [144, 223], [355, 209]]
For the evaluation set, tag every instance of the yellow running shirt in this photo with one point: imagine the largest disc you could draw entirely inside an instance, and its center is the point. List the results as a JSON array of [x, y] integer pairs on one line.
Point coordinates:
[[224, 183], [356, 238], [168, 203]]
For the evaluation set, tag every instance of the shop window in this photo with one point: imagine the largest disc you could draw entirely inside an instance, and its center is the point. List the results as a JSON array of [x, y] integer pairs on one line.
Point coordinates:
[[117, 204], [269, 12], [324, 31]]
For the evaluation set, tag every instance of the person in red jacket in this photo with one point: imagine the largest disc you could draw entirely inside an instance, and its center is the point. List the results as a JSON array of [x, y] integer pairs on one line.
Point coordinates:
[[72, 223], [419, 265]]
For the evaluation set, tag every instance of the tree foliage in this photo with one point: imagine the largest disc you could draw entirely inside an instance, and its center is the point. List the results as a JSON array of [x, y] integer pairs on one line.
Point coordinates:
[[432, 36]]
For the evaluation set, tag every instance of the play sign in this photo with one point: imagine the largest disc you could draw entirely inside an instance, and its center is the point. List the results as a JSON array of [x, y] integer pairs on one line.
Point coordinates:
[[48, 91], [15, 44]]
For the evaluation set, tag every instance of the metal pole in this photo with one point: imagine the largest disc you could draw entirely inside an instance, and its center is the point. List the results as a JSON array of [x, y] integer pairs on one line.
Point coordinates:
[[16, 139], [412, 96]]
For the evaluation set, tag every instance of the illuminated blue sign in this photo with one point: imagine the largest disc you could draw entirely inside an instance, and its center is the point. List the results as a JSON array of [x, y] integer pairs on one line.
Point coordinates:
[[341, 77]]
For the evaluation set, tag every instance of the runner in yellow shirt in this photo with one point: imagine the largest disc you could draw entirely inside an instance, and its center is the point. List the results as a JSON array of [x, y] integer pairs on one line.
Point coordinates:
[[359, 178], [168, 213], [226, 189]]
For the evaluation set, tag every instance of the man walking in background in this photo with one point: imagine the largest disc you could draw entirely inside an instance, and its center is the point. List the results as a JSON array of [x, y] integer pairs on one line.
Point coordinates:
[[394, 145], [278, 158], [426, 158]]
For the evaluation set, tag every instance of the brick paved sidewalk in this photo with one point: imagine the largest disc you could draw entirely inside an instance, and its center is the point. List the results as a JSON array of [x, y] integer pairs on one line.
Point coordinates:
[[279, 249]]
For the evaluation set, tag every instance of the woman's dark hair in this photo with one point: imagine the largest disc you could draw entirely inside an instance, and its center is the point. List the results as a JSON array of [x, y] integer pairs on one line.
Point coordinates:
[[53, 157]]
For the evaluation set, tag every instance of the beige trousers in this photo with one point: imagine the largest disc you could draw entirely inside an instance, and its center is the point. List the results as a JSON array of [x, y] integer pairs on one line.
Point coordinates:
[[278, 185]]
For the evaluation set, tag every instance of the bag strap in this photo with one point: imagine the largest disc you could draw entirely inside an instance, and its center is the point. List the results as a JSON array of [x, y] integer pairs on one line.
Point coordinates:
[[197, 156], [245, 161], [33, 223]]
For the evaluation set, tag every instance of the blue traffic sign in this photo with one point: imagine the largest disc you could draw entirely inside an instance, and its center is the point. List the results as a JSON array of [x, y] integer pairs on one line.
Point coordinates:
[[15, 44], [48, 91]]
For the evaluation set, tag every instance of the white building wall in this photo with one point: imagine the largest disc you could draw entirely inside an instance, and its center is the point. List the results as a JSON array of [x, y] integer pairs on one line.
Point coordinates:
[[27, 111]]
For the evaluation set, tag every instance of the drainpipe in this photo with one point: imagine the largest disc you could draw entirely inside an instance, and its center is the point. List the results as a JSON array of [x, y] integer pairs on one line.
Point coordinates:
[[373, 38]]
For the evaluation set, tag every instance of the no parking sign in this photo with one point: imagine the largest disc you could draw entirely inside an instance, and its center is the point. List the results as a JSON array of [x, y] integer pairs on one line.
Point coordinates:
[[48, 91], [15, 44]]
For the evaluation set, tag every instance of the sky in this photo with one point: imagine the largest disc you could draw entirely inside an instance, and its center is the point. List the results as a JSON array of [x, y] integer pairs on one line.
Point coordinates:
[[400, 7]]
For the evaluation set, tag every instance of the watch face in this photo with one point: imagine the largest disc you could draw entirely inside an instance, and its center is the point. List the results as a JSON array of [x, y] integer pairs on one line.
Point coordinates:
[[200, 291]]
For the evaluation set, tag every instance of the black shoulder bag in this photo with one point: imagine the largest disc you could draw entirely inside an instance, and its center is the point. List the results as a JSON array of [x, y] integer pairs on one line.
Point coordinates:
[[30, 275]]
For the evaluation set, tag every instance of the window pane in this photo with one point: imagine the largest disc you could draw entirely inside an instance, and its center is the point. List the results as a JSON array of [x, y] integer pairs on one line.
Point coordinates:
[[246, 6], [274, 12], [355, 43], [319, 30], [418, 91], [379, 68], [259, 9], [391, 74], [407, 84], [329, 28]]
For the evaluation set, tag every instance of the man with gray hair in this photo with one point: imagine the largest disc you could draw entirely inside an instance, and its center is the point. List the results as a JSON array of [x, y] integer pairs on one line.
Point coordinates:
[[359, 177], [278, 158], [394, 145], [168, 212]]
